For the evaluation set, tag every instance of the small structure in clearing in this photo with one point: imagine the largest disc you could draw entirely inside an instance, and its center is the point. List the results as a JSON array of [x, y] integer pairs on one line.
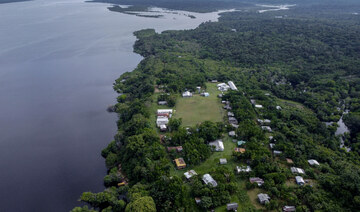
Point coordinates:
[[232, 206], [223, 161], [263, 198], [190, 174], [232, 133], [218, 145], [187, 94], [180, 163]]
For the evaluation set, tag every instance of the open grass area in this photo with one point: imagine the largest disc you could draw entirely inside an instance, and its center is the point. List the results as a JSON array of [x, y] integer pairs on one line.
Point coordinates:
[[213, 161], [197, 109], [254, 199]]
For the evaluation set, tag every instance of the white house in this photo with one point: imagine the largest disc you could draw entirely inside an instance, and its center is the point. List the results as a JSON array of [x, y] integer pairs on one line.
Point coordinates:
[[287, 208], [263, 198], [162, 127], [296, 170], [313, 162], [232, 133], [162, 120], [299, 180], [209, 180], [278, 107], [218, 144], [232, 86], [164, 111], [258, 106], [256, 180], [266, 128], [189, 174], [223, 161], [187, 94], [223, 87], [240, 169]]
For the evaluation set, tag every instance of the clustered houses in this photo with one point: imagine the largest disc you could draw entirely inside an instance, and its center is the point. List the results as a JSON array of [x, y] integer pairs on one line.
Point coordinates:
[[163, 116]]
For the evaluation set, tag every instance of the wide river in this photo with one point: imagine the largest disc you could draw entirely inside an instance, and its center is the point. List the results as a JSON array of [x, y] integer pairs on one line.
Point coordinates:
[[58, 60]]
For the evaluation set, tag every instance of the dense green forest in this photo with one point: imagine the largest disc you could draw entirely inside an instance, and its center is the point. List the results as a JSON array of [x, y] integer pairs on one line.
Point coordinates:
[[302, 67]]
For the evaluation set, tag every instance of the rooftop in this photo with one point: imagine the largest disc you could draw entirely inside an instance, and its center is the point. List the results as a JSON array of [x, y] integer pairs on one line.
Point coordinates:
[[189, 174], [241, 150], [180, 163]]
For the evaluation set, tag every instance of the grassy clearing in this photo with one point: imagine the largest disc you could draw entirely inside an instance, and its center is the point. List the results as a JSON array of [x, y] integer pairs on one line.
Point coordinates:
[[290, 103], [254, 199], [197, 109], [239, 197], [213, 161]]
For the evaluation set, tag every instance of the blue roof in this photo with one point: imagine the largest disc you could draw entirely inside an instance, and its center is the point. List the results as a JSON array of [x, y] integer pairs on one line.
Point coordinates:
[[239, 143]]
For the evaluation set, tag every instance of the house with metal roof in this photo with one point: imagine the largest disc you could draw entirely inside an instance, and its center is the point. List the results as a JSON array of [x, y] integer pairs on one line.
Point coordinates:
[[218, 145], [263, 198], [180, 163], [187, 94], [296, 170], [256, 180], [223, 161], [232, 86], [190, 174], [232, 206], [287, 208], [313, 162], [300, 180], [240, 143], [240, 169], [208, 180]]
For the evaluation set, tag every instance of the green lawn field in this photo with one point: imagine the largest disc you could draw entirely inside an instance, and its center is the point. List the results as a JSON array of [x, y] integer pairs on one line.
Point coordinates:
[[197, 109]]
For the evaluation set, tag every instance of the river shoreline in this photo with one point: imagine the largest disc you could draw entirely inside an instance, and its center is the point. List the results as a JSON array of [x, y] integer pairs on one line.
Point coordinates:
[[59, 60]]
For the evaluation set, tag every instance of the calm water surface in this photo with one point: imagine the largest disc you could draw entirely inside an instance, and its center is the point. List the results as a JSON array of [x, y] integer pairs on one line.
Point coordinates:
[[58, 60]]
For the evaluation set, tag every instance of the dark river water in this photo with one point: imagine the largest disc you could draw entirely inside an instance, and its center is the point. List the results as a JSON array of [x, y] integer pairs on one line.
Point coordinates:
[[58, 60]]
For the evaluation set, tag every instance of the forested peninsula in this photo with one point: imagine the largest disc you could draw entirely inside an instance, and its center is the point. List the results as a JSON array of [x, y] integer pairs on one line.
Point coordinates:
[[251, 104]]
